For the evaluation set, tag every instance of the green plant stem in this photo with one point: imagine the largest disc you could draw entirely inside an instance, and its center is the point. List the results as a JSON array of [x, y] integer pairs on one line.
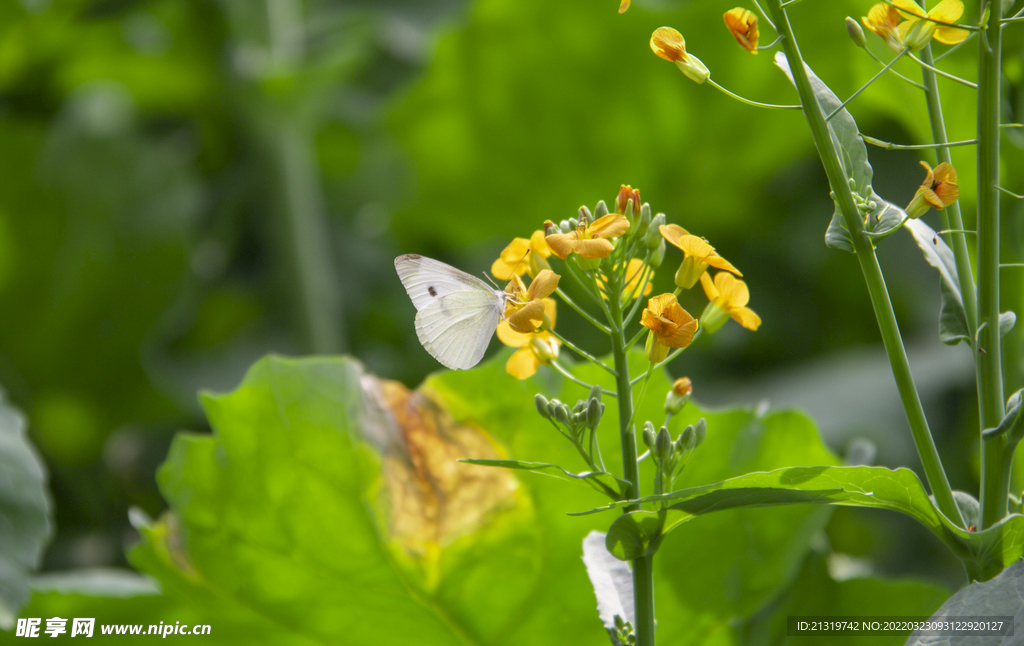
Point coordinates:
[[865, 253], [756, 104], [941, 73], [866, 85], [888, 145], [571, 377], [583, 353], [994, 487], [883, 64], [643, 572]]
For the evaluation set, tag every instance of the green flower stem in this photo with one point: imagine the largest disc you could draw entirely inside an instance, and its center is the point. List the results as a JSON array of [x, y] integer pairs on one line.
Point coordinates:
[[874, 78], [865, 253], [1011, 193], [582, 312], [945, 74], [756, 104], [888, 145], [882, 63], [571, 377], [954, 48], [583, 353], [639, 335], [640, 294], [671, 356], [994, 487], [643, 572]]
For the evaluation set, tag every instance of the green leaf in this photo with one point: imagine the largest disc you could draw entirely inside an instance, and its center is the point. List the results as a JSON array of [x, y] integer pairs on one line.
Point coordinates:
[[953, 326], [96, 582], [600, 481], [1003, 596], [883, 217], [612, 581], [25, 513]]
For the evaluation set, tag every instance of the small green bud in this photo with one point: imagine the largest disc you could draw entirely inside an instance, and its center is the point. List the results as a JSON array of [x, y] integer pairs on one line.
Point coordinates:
[[648, 435], [658, 256], [653, 234], [584, 215], [663, 445], [562, 414], [579, 407], [687, 439], [856, 33], [643, 223], [679, 395], [700, 430], [542, 406], [594, 411], [600, 210], [573, 223], [579, 420], [596, 392], [565, 227]]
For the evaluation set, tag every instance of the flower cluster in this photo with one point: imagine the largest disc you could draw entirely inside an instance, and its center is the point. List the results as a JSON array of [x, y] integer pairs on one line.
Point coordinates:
[[903, 24]]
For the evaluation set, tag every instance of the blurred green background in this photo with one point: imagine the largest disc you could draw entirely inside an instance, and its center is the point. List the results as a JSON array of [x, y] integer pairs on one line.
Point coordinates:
[[189, 186]]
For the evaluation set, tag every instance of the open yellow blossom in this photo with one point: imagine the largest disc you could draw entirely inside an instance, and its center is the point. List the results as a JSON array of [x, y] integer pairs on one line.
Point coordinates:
[[938, 191], [536, 349], [669, 44], [589, 241], [670, 326], [916, 31], [522, 255], [742, 23], [883, 20], [524, 308], [698, 255], [635, 271], [729, 297]]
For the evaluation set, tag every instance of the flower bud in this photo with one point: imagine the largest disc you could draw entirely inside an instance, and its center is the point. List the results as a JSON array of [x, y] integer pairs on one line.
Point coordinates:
[[561, 414], [596, 392], [663, 445], [542, 406], [565, 227], [687, 439], [573, 224], [648, 435], [600, 210], [700, 431], [655, 349], [653, 233], [550, 227], [643, 223], [628, 202], [856, 33], [594, 411], [678, 396], [584, 214], [658, 256]]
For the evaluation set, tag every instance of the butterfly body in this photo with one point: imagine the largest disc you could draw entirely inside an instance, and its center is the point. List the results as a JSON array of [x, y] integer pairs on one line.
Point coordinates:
[[456, 313]]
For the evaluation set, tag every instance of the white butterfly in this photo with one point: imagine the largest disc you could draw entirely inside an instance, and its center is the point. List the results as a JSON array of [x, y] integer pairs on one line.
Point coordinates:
[[456, 313]]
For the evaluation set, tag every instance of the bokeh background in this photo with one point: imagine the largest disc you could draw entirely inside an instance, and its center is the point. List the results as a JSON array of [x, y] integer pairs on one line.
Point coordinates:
[[189, 186]]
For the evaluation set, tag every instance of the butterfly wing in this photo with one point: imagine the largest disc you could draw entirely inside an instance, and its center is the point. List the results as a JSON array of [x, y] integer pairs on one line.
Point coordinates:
[[427, 280], [457, 328]]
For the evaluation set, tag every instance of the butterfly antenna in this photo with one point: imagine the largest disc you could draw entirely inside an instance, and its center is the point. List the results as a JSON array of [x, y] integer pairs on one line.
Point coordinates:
[[526, 255], [490, 280]]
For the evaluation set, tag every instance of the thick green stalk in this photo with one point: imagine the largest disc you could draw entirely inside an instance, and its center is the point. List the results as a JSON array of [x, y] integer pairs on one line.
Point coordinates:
[[877, 291], [643, 573], [994, 486]]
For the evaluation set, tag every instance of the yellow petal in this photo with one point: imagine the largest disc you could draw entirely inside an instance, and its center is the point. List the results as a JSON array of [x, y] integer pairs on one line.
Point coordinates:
[[733, 291], [909, 8], [950, 35], [683, 335], [500, 270], [550, 310], [543, 285], [561, 243], [510, 337], [696, 247], [528, 317], [522, 364], [742, 24], [598, 248], [709, 286], [672, 233], [624, 5], [931, 198], [948, 11], [746, 317], [660, 303], [539, 245], [669, 44], [719, 262], [612, 225]]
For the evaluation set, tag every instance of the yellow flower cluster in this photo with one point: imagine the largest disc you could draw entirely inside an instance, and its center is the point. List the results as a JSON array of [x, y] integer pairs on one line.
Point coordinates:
[[903, 24]]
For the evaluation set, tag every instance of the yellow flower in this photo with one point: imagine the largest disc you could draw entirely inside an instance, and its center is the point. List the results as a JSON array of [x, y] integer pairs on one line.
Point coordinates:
[[536, 349], [623, 5], [743, 26], [698, 255], [916, 32], [669, 44], [729, 297], [522, 255], [591, 241], [524, 308], [670, 326], [883, 20], [634, 276], [938, 191]]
